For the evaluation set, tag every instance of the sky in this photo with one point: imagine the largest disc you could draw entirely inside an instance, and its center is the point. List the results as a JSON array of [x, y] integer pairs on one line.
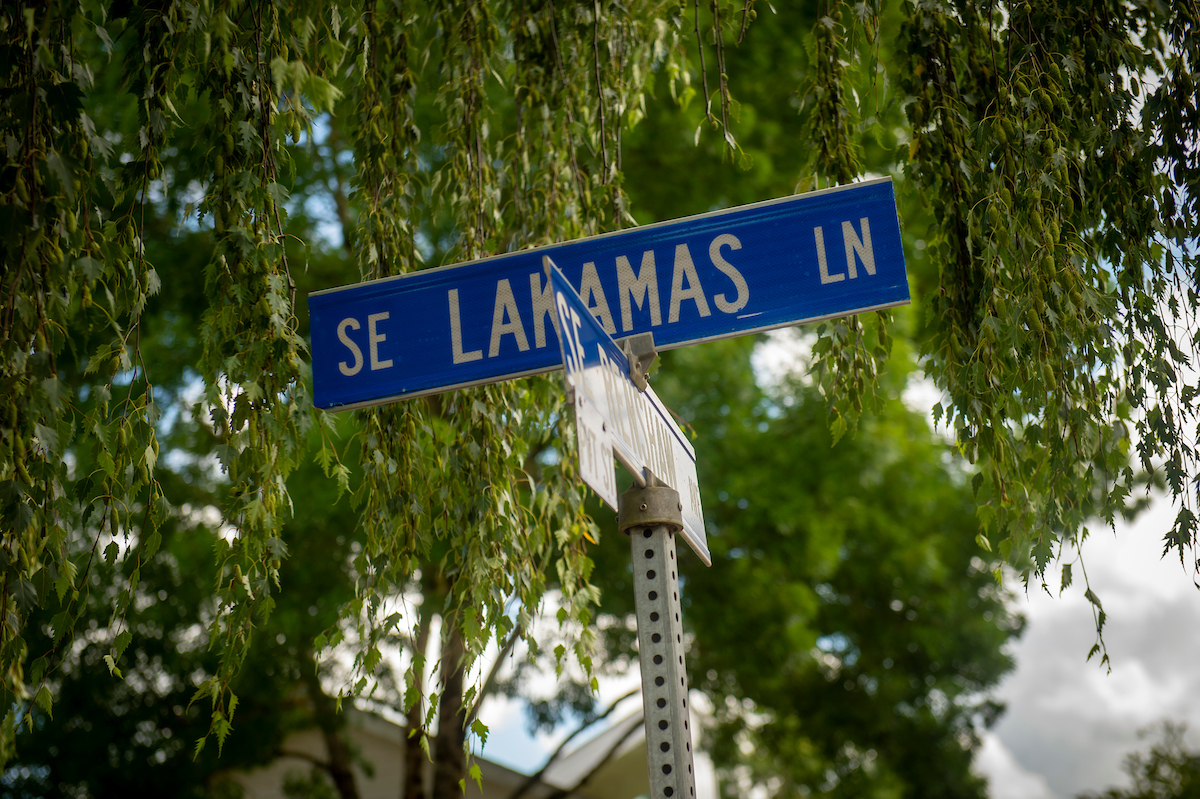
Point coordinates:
[[1070, 723]]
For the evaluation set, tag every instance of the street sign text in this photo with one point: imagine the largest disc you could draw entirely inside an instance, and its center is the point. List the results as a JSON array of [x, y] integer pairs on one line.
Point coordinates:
[[727, 273]]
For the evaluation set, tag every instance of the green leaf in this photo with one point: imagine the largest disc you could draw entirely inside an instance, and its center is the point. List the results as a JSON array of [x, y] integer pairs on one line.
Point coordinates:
[[44, 699], [279, 195], [121, 643], [55, 391], [341, 473], [481, 730], [26, 595], [47, 437], [837, 427], [64, 172], [321, 93], [476, 774], [151, 458]]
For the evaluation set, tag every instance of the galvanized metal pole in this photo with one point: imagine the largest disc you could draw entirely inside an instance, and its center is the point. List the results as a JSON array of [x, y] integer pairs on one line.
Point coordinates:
[[651, 516]]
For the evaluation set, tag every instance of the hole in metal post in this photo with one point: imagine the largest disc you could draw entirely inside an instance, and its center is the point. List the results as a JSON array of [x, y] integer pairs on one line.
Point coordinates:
[[649, 553], [650, 575], [666, 747], [656, 638], [661, 702], [654, 595], [662, 725], [668, 790], [659, 681], [657, 660], [646, 533], [666, 768], [653, 617]]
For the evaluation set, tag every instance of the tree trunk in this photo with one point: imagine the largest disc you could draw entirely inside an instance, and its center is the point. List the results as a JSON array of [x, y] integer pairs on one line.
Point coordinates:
[[414, 757], [450, 762], [332, 726]]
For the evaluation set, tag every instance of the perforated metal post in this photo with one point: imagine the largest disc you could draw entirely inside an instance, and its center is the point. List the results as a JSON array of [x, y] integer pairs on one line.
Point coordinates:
[[651, 516]]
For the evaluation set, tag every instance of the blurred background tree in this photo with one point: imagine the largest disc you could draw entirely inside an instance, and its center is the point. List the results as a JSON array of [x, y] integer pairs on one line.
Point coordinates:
[[1167, 770]]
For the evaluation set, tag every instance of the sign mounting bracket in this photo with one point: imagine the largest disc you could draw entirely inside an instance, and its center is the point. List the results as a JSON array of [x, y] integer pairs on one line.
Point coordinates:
[[641, 353]]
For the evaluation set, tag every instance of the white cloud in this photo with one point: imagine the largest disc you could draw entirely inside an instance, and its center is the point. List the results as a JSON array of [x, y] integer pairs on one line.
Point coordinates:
[[783, 355], [1007, 779]]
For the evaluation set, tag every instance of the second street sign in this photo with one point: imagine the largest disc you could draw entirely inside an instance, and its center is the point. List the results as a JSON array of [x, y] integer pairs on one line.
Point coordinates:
[[727, 273], [614, 417]]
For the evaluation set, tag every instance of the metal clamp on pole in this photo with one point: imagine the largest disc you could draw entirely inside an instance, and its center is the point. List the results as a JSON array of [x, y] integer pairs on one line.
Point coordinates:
[[654, 505], [640, 352], [651, 516]]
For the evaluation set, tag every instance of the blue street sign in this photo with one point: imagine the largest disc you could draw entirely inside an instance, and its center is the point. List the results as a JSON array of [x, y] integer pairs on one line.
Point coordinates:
[[613, 416], [727, 273]]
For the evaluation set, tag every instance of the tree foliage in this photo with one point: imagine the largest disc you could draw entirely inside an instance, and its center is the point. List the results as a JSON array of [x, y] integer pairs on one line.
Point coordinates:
[[1168, 770], [111, 115], [1050, 152], [1061, 141], [1046, 159]]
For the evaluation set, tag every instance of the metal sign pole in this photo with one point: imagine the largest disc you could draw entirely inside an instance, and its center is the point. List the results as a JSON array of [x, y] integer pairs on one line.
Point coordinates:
[[651, 516]]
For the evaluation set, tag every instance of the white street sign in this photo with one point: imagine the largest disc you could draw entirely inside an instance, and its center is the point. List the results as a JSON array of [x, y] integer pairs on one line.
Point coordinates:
[[614, 417]]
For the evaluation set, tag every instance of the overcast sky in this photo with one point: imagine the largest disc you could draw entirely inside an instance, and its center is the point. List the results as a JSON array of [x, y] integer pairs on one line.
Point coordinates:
[[1070, 723]]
